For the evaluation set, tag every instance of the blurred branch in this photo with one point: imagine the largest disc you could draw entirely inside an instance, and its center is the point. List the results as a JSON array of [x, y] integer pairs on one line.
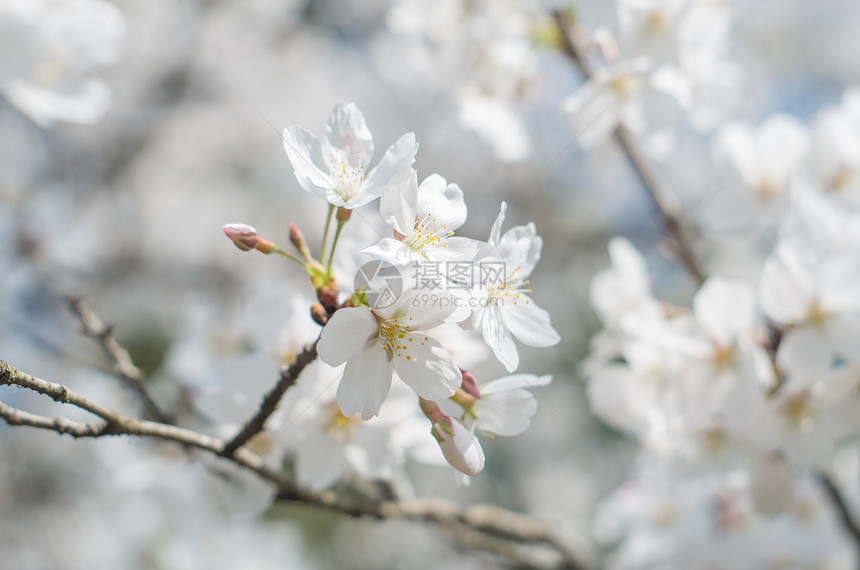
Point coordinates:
[[123, 366], [289, 375], [573, 41], [841, 506], [484, 527]]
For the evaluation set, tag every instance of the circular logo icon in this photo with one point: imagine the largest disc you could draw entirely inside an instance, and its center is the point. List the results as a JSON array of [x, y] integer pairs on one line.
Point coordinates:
[[381, 282]]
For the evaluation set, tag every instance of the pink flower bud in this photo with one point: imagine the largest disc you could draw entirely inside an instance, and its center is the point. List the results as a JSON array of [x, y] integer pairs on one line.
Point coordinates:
[[470, 386], [298, 240], [244, 236], [461, 449]]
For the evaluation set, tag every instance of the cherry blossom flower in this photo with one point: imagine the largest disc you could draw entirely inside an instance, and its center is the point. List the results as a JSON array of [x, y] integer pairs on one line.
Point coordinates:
[[810, 284], [505, 406], [503, 305], [335, 167], [612, 96], [758, 167], [328, 446], [374, 343], [424, 219]]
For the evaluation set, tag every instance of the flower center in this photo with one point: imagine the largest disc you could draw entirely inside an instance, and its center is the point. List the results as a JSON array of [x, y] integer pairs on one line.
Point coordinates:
[[396, 338], [347, 178], [509, 289], [427, 233], [339, 426]]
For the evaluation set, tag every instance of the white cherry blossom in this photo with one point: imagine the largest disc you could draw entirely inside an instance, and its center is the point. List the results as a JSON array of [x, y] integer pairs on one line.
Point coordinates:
[[505, 406], [424, 219], [374, 343], [503, 307], [336, 167]]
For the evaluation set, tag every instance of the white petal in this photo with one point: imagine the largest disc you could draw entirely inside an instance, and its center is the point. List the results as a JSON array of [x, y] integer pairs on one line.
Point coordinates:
[[506, 413], [303, 150], [398, 204], [391, 250], [514, 382], [453, 249], [395, 166], [528, 322], [443, 201], [345, 334], [520, 247], [427, 367], [725, 308], [346, 130], [462, 450], [787, 286], [498, 338], [804, 354], [366, 382], [496, 231]]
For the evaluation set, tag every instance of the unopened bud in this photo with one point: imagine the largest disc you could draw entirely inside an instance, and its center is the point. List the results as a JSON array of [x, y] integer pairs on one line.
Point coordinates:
[[319, 314], [298, 240], [470, 386], [433, 412], [343, 214], [461, 449], [244, 236]]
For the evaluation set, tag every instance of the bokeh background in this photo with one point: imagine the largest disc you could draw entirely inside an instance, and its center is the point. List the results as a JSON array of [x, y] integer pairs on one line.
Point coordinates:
[[127, 213]]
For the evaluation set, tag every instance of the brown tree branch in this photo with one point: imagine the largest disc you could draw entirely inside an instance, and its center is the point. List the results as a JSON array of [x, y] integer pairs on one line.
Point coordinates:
[[481, 526], [654, 185], [841, 506], [289, 375], [123, 366]]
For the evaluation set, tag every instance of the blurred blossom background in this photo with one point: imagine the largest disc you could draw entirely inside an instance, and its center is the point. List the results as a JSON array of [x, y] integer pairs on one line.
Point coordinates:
[[161, 121]]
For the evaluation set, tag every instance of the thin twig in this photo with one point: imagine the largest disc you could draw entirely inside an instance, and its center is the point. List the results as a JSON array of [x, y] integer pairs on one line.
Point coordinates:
[[289, 375], [123, 366], [487, 525], [657, 189]]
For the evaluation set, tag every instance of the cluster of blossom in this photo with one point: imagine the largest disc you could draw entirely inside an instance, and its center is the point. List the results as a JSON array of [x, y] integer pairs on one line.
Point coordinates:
[[51, 52], [674, 48], [760, 166], [484, 54], [386, 331], [755, 385]]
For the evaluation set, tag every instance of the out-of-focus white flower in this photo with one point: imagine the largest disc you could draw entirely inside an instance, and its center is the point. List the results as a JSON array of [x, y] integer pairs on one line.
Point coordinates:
[[50, 51], [834, 157], [424, 219], [611, 97], [810, 283], [329, 446], [674, 519], [335, 168], [759, 167], [376, 342], [503, 306]]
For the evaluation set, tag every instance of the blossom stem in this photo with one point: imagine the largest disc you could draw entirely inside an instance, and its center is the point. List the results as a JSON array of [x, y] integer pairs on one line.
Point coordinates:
[[325, 232], [337, 231], [289, 256]]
